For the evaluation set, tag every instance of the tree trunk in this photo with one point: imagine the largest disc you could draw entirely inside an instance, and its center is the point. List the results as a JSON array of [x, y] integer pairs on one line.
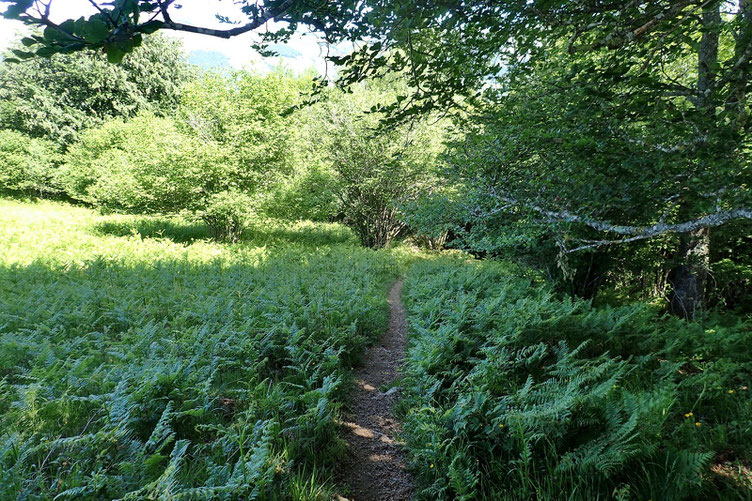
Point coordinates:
[[737, 102], [688, 278]]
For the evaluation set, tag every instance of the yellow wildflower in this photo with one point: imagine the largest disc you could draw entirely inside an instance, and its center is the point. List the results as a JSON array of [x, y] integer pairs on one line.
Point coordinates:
[[431, 465], [698, 424], [731, 392]]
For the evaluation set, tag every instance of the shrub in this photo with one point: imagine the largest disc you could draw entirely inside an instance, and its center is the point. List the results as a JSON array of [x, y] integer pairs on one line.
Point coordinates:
[[146, 165], [430, 217], [27, 164], [309, 195], [245, 114], [58, 97], [227, 215]]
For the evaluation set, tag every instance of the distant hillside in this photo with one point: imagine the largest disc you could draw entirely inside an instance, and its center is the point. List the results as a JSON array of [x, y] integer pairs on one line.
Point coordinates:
[[209, 59]]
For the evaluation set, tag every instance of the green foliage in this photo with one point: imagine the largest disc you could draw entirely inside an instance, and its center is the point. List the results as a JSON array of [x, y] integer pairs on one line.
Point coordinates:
[[27, 164], [58, 97], [376, 170], [144, 165], [229, 134], [227, 214], [137, 367], [514, 393], [244, 113], [432, 216], [732, 267], [307, 195], [120, 26], [184, 229]]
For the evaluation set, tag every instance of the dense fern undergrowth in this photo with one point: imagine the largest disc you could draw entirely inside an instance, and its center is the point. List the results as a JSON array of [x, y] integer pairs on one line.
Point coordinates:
[[515, 393], [140, 360]]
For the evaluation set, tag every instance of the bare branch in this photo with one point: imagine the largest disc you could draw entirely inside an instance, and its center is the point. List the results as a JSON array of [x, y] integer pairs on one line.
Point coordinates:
[[632, 233], [263, 18]]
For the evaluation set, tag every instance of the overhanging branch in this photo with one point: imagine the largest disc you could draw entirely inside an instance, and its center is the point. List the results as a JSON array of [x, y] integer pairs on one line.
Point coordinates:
[[265, 16], [631, 233]]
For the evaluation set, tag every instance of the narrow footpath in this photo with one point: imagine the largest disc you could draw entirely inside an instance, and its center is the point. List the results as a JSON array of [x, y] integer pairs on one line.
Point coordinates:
[[376, 470]]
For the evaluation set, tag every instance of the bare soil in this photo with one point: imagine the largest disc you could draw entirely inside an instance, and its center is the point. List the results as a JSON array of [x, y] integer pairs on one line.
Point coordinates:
[[376, 467]]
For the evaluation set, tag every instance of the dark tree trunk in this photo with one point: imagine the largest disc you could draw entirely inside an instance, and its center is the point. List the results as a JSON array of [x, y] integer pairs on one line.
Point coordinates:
[[688, 277]]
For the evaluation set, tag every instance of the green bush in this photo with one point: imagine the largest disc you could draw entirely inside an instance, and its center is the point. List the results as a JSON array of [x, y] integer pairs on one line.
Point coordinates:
[[431, 217], [145, 165], [27, 164], [245, 114], [227, 215], [309, 195], [514, 393], [58, 97], [377, 169]]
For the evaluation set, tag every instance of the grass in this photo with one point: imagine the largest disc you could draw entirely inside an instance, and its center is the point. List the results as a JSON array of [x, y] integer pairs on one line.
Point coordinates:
[[140, 360]]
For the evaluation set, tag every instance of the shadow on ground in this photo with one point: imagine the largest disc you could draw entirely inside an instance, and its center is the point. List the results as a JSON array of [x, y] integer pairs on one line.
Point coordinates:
[[258, 234]]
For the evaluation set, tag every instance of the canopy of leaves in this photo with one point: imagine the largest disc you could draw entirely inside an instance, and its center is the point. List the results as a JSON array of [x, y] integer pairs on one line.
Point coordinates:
[[59, 96]]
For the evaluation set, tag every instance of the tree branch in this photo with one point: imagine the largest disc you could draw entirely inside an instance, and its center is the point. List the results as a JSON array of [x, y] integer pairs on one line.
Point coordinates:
[[618, 39], [633, 233], [263, 18]]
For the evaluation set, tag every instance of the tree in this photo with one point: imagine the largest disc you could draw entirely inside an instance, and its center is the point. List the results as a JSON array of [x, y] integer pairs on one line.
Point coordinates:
[[144, 165], [245, 114], [375, 170], [27, 164], [120, 25], [228, 134], [57, 97], [633, 60]]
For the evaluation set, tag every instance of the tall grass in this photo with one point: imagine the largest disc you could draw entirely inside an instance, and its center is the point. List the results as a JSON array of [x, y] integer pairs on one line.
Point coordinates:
[[141, 361]]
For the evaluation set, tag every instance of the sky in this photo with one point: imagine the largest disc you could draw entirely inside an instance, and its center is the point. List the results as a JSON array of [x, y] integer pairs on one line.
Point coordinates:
[[301, 53]]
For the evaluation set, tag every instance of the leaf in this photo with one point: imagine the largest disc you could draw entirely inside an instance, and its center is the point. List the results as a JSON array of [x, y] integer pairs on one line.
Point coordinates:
[[114, 54], [150, 27], [14, 11], [46, 51], [94, 30], [22, 54]]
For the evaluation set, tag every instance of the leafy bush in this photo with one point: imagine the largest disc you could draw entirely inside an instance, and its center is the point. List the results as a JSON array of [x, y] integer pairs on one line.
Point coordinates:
[[227, 214], [27, 164], [514, 393], [245, 114], [145, 165], [308, 195], [140, 368], [431, 217]]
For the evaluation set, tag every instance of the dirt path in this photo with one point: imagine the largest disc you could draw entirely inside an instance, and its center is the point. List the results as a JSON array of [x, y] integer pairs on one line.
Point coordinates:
[[376, 470]]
